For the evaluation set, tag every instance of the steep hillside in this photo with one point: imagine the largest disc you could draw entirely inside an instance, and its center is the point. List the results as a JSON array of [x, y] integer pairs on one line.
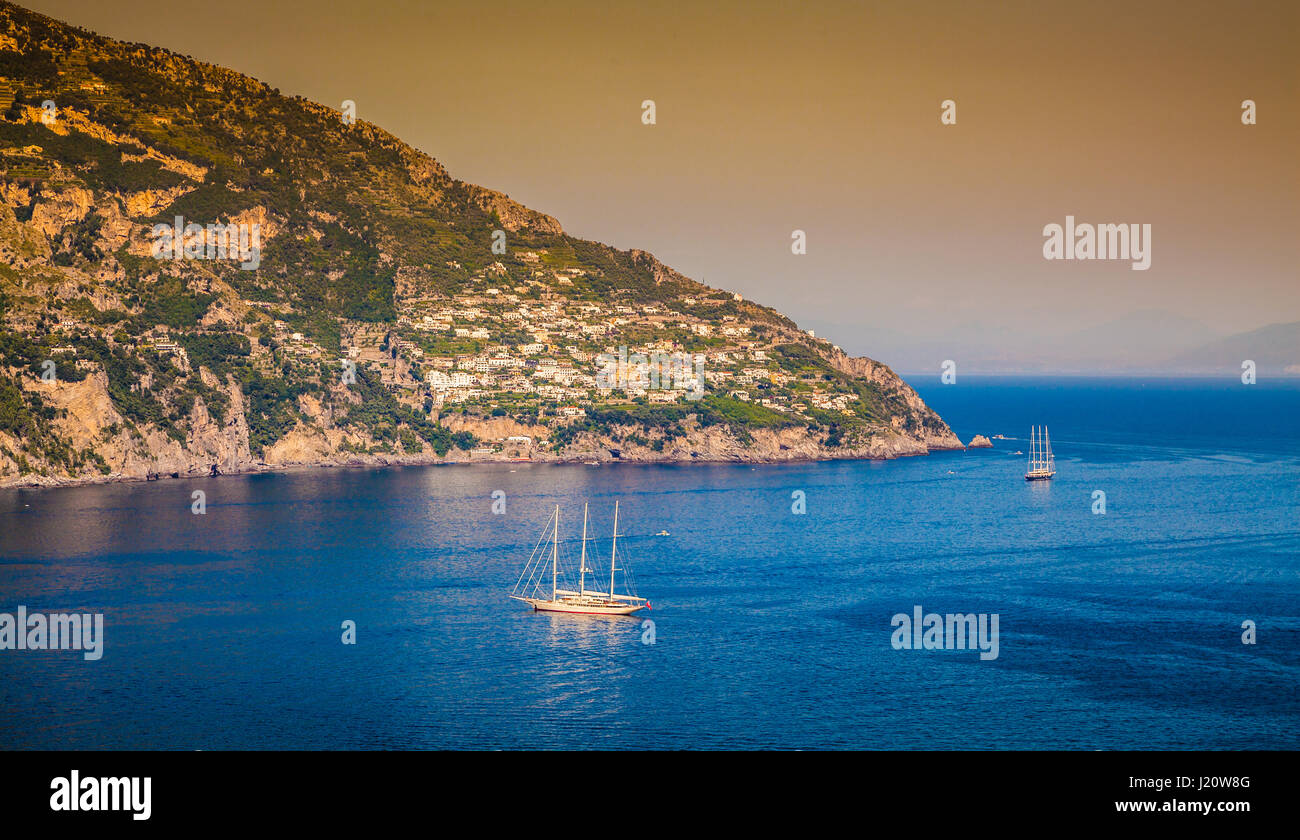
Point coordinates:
[[199, 274]]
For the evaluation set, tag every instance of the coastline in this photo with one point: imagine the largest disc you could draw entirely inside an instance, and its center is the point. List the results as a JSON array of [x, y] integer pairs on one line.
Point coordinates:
[[601, 458]]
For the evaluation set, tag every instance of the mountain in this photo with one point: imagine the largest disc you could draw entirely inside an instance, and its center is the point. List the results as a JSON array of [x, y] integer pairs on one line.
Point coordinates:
[[1145, 341], [1274, 349], [1139, 340], [199, 274]]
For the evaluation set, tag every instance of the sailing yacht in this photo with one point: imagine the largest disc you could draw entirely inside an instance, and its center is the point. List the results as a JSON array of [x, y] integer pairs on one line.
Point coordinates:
[[531, 587], [1042, 463]]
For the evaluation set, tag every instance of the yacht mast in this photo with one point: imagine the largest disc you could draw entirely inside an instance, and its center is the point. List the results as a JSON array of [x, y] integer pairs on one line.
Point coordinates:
[[555, 551], [582, 564], [612, 551], [1048, 456]]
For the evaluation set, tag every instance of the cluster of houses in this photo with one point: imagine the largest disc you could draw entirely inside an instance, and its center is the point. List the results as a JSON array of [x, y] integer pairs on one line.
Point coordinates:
[[534, 344]]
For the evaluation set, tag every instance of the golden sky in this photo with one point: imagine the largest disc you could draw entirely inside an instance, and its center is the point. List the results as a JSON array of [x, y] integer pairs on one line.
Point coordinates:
[[824, 117]]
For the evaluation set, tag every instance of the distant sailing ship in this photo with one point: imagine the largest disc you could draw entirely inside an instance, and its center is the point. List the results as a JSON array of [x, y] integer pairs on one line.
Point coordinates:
[[531, 587], [1042, 464]]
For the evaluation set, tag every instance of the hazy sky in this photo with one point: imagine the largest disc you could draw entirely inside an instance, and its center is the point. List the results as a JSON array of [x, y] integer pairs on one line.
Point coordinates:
[[825, 117]]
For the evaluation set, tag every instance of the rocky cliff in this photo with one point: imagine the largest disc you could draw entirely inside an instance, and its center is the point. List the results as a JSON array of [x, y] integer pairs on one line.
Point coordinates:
[[199, 274]]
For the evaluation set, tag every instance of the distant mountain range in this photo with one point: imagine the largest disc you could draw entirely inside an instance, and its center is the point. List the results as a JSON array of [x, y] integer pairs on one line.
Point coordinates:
[[1151, 342], [1275, 349]]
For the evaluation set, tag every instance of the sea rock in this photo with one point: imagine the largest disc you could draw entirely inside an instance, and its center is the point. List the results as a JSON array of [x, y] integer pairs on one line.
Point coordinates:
[[979, 442]]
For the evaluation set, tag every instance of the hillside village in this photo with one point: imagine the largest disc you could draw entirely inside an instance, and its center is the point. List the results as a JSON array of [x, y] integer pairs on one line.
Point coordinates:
[[533, 350], [389, 313]]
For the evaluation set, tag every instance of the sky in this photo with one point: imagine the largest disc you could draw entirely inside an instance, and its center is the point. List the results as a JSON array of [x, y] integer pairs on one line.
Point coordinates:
[[924, 240]]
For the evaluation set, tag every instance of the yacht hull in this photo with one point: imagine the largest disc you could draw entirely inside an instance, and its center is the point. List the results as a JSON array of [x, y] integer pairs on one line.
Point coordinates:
[[583, 609]]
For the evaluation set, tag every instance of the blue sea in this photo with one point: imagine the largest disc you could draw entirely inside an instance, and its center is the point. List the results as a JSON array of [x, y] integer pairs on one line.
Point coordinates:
[[771, 629]]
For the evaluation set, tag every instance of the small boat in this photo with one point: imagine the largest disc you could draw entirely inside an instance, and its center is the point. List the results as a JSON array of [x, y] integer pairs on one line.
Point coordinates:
[[1042, 464], [531, 588], [663, 534]]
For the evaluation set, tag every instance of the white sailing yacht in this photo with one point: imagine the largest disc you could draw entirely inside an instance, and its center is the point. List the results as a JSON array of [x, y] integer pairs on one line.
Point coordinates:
[[1042, 464], [531, 588]]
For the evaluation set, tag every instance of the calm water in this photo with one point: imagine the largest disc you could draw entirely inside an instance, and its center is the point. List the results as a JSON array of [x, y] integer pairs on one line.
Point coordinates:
[[771, 629]]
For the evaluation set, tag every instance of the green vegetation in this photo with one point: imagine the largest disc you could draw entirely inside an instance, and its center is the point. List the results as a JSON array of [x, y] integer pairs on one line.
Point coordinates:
[[97, 163], [386, 420], [272, 409], [715, 409], [216, 351], [364, 237], [169, 302]]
